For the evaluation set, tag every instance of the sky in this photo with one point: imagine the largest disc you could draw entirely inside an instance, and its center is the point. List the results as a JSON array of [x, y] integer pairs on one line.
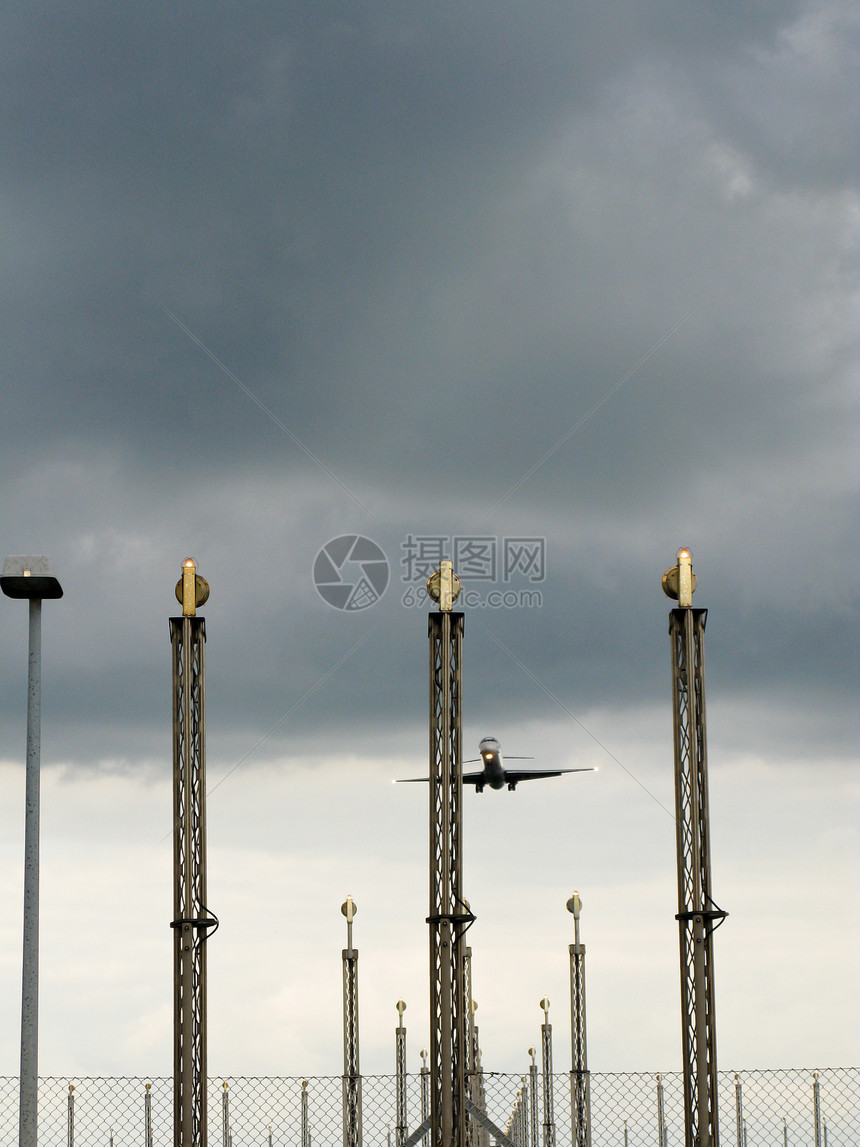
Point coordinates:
[[548, 289]]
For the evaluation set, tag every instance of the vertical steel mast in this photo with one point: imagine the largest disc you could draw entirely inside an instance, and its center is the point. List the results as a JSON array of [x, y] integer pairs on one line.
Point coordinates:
[[449, 914], [192, 920], [698, 915], [580, 1085], [351, 1066], [402, 1129]]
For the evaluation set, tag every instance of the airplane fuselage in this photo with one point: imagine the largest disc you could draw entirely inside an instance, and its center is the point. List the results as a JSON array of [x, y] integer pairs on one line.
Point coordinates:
[[493, 764]]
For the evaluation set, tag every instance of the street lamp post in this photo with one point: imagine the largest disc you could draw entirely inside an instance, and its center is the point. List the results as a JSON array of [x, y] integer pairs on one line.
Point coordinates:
[[33, 578]]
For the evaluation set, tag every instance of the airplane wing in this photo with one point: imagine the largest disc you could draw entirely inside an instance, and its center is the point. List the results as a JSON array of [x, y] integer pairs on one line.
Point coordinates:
[[514, 776], [468, 779], [474, 778]]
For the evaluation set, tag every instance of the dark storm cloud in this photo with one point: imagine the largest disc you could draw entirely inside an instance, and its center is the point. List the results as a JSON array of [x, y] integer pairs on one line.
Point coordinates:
[[431, 241], [322, 197]]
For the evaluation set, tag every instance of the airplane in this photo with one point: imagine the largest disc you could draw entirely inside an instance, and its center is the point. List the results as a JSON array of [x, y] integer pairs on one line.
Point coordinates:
[[494, 772]]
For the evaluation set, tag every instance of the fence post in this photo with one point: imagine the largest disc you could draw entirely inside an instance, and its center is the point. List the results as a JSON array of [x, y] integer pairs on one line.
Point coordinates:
[[270, 1135], [225, 1115], [661, 1118], [739, 1110], [816, 1109], [110, 1137], [784, 1132], [625, 1133], [70, 1121]]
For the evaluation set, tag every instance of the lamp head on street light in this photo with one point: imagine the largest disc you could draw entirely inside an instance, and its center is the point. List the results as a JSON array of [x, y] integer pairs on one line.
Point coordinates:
[[545, 1005], [574, 905], [401, 1007], [679, 582], [191, 590], [30, 577], [443, 586], [349, 909]]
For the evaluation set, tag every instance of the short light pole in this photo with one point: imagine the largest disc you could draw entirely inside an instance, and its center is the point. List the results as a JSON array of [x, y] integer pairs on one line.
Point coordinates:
[[34, 579], [533, 1099], [580, 1089], [546, 1068], [351, 1068], [400, 1070], [425, 1094]]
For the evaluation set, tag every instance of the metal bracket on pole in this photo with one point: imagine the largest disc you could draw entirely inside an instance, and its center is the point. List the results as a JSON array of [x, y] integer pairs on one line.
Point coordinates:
[[488, 1125]]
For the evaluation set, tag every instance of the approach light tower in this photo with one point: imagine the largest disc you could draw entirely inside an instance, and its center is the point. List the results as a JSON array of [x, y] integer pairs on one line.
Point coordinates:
[[698, 915], [580, 1081], [192, 922], [351, 1067], [449, 915]]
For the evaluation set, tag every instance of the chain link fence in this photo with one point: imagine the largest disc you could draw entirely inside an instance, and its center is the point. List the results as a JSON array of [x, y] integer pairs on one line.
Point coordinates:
[[761, 1108]]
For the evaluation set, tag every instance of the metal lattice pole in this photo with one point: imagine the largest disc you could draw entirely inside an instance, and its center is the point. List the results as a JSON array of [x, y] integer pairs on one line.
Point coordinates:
[[697, 913], [580, 1082], [305, 1127], [192, 920], [661, 1117], [449, 915], [533, 1099], [147, 1115], [425, 1094], [546, 1071], [402, 1129], [351, 1067]]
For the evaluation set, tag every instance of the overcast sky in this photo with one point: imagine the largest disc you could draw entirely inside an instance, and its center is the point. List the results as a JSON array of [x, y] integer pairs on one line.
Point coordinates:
[[571, 283]]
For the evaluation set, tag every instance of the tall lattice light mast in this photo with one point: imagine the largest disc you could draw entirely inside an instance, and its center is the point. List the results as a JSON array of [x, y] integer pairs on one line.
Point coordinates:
[[449, 913], [192, 922], [698, 915]]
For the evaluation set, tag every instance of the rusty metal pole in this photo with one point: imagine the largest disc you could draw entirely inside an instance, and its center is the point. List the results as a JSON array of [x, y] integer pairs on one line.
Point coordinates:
[[192, 922]]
